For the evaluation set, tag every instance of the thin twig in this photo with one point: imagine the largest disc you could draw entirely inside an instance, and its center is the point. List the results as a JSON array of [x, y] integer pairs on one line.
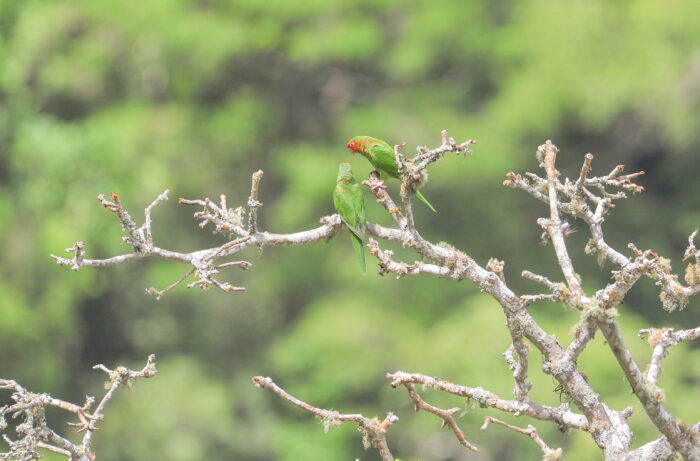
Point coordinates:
[[401, 269], [519, 366], [253, 203], [374, 431], [660, 340], [159, 294], [554, 226], [530, 431], [147, 212], [447, 416], [117, 377]]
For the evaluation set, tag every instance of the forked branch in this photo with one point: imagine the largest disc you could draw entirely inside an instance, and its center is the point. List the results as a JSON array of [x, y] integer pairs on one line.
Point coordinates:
[[34, 432], [373, 430], [447, 416], [530, 431], [660, 340]]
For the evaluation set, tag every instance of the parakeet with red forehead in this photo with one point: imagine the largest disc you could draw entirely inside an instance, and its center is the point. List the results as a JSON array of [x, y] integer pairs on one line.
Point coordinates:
[[350, 204], [381, 155]]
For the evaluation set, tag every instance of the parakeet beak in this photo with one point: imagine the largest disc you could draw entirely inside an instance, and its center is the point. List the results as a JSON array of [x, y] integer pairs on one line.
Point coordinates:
[[351, 147]]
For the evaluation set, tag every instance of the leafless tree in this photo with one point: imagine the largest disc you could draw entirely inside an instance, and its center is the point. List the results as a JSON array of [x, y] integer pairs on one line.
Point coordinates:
[[587, 198]]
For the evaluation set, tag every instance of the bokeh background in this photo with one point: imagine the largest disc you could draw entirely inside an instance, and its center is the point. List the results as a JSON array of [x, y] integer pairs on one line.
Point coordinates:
[[196, 95]]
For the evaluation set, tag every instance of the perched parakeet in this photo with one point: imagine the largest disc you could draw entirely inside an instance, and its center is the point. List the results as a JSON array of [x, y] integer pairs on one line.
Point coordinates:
[[350, 204], [381, 155]]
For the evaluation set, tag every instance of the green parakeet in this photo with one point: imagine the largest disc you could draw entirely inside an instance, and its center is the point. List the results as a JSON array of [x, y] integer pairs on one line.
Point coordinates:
[[381, 155], [350, 204]]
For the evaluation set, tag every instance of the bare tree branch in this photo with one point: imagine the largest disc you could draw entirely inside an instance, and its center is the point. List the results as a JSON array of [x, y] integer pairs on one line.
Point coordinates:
[[561, 415], [253, 203], [147, 223], [518, 367], [554, 225], [447, 416], [118, 377], [660, 340], [373, 430], [648, 395], [34, 432], [530, 431]]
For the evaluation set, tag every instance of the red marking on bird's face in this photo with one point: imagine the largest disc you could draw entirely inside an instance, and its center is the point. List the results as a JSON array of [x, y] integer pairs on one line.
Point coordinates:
[[353, 147]]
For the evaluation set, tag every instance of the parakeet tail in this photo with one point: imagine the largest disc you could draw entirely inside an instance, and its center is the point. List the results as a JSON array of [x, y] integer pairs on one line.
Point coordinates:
[[360, 250], [424, 200]]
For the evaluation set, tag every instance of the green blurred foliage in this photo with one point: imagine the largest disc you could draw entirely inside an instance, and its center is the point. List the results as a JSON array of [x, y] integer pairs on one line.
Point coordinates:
[[196, 95]]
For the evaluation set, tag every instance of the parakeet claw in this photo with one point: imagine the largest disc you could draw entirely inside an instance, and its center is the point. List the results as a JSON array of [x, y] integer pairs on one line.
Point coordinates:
[[374, 174]]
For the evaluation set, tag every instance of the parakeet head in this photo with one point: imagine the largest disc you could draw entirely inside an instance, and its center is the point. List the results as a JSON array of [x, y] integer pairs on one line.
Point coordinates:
[[357, 145], [344, 172]]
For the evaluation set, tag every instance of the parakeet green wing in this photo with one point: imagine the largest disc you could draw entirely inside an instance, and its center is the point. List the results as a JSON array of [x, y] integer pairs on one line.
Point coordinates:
[[384, 158], [350, 204]]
